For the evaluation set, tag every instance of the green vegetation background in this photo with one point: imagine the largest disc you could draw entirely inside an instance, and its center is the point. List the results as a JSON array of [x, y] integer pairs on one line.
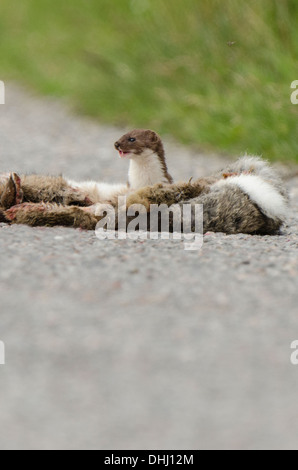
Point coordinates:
[[213, 73]]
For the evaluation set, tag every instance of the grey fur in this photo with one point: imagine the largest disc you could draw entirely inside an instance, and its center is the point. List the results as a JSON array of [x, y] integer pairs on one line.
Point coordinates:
[[227, 207], [231, 211]]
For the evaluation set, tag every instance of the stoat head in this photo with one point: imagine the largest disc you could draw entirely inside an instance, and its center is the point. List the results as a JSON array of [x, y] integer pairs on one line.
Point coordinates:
[[145, 148]]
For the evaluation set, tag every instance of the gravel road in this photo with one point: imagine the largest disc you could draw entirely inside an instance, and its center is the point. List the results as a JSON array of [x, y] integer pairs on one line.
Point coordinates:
[[131, 345]]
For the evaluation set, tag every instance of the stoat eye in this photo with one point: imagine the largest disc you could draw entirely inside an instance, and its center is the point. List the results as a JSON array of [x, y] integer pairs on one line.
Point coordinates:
[[131, 139]]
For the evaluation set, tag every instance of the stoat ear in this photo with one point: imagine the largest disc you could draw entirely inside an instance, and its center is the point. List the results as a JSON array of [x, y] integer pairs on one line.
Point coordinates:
[[154, 137]]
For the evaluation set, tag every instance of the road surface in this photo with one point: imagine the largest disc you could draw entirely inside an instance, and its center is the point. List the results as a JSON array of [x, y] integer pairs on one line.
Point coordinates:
[[139, 345]]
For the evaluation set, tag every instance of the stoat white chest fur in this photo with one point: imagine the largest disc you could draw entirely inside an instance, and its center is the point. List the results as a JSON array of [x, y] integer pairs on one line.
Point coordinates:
[[146, 170]]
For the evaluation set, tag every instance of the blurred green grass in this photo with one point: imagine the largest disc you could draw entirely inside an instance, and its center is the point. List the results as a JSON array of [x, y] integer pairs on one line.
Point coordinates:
[[165, 65]]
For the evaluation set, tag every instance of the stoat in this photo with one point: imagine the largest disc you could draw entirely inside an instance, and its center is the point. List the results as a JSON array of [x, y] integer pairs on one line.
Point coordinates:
[[147, 158], [144, 149]]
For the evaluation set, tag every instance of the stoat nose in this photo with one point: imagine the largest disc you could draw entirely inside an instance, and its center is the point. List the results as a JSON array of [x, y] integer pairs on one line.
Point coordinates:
[[117, 146]]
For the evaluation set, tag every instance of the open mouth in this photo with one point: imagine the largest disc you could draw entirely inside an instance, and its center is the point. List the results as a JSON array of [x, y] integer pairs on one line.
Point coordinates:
[[122, 154]]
